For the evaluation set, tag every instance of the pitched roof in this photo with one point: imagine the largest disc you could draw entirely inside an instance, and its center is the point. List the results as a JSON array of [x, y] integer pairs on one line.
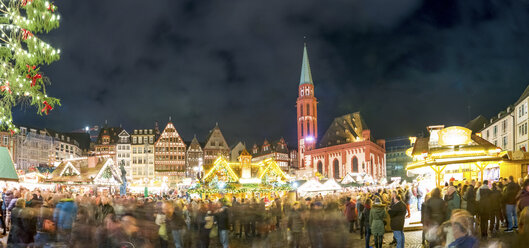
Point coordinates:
[[87, 174], [477, 123], [524, 95], [422, 146], [223, 144], [7, 168], [344, 129], [113, 132], [279, 146], [82, 138], [306, 75]]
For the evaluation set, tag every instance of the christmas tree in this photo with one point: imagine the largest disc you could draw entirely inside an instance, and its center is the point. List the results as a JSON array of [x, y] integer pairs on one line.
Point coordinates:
[[22, 53]]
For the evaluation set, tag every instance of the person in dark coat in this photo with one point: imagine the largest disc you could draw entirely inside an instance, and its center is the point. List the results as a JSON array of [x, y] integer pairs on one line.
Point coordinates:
[[223, 223], [360, 209], [364, 220], [377, 217], [397, 213], [435, 208], [19, 235], [483, 198], [470, 198], [174, 223], [509, 198], [523, 197], [103, 210], [495, 214]]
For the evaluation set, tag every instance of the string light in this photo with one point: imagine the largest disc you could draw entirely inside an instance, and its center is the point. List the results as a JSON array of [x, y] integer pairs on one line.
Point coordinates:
[[23, 52]]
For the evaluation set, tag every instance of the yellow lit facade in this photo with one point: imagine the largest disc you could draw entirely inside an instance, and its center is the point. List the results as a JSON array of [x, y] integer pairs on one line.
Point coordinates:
[[454, 153]]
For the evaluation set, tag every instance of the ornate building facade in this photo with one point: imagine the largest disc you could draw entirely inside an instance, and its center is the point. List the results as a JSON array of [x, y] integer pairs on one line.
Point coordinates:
[[348, 147], [170, 154], [215, 146], [106, 141], [194, 159], [277, 150]]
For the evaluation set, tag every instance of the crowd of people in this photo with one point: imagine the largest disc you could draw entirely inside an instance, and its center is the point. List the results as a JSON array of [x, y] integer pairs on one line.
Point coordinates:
[[450, 215]]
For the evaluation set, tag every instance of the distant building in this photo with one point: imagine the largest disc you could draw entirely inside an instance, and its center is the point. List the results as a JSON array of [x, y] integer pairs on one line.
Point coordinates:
[[123, 152], [170, 155], [521, 122], [194, 159], [276, 150], [107, 141], [293, 154], [499, 130], [236, 151], [143, 155], [396, 158], [7, 140], [214, 147], [65, 146], [33, 148]]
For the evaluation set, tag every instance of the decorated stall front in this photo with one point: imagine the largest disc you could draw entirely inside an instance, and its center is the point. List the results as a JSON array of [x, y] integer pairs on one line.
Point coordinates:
[[243, 177], [87, 173], [455, 154]]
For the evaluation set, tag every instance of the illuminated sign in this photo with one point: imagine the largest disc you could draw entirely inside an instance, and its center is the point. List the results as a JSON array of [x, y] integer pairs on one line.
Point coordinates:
[[453, 136]]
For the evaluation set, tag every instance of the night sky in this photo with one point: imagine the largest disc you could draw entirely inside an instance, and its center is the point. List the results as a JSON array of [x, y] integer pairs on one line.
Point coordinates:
[[404, 64]]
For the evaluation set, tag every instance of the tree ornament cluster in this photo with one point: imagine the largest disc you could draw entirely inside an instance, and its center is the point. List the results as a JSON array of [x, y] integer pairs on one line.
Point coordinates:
[[22, 53]]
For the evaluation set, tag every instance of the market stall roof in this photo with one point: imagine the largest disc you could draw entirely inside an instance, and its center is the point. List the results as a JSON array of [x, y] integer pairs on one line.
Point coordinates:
[[311, 185], [7, 168], [331, 185], [348, 179]]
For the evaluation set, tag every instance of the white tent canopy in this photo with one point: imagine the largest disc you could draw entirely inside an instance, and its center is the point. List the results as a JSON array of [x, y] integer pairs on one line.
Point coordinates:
[[348, 179], [310, 186], [331, 185]]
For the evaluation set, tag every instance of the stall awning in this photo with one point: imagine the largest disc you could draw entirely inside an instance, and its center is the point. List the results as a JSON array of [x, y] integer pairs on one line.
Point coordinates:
[[7, 168]]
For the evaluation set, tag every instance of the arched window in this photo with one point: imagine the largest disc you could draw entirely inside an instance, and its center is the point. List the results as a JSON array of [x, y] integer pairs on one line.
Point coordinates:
[[336, 167], [307, 109], [320, 167], [354, 165]]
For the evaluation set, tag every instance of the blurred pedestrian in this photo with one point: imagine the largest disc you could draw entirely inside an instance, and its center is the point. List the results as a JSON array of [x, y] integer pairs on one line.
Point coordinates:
[[376, 221], [397, 213], [509, 197]]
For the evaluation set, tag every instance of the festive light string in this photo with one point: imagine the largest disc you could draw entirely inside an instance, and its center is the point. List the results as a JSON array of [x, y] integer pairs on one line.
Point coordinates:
[[21, 54]]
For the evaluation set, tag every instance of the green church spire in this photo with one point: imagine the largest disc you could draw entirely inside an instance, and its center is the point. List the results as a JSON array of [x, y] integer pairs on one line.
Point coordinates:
[[306, 76]]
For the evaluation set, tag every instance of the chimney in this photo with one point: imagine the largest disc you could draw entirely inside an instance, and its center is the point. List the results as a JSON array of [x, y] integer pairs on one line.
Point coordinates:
[[92, 161], [381, 143], [366, 134]]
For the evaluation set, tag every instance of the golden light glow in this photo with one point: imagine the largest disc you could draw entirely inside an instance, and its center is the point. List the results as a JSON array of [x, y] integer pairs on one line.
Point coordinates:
[[453, 136], [265, 167]]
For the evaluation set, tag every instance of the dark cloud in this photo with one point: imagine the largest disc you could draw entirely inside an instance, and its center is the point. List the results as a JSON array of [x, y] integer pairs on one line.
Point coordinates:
[[404, 64]]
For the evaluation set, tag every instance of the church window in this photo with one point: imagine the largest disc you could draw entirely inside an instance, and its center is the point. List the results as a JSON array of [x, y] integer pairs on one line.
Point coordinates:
[[307, 91], [307, 110], [301, 92]]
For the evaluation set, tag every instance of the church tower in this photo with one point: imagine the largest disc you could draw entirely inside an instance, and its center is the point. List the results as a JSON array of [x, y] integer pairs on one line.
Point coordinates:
[[306, 111]]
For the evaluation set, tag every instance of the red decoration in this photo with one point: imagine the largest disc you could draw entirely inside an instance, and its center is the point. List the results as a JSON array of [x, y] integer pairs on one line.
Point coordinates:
[[6, 87], [12, 132], [26, 33], [30, 67], [51, 8], [25, 2], [34, 78], [46, 108]]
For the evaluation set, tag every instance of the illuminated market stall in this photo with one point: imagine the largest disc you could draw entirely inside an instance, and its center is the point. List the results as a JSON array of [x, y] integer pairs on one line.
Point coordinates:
[[455, 154], [243, 177], [87, 173]]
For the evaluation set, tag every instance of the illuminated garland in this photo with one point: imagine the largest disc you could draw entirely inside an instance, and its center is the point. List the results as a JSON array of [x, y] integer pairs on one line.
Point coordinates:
[[238, 188], [21, 55]]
